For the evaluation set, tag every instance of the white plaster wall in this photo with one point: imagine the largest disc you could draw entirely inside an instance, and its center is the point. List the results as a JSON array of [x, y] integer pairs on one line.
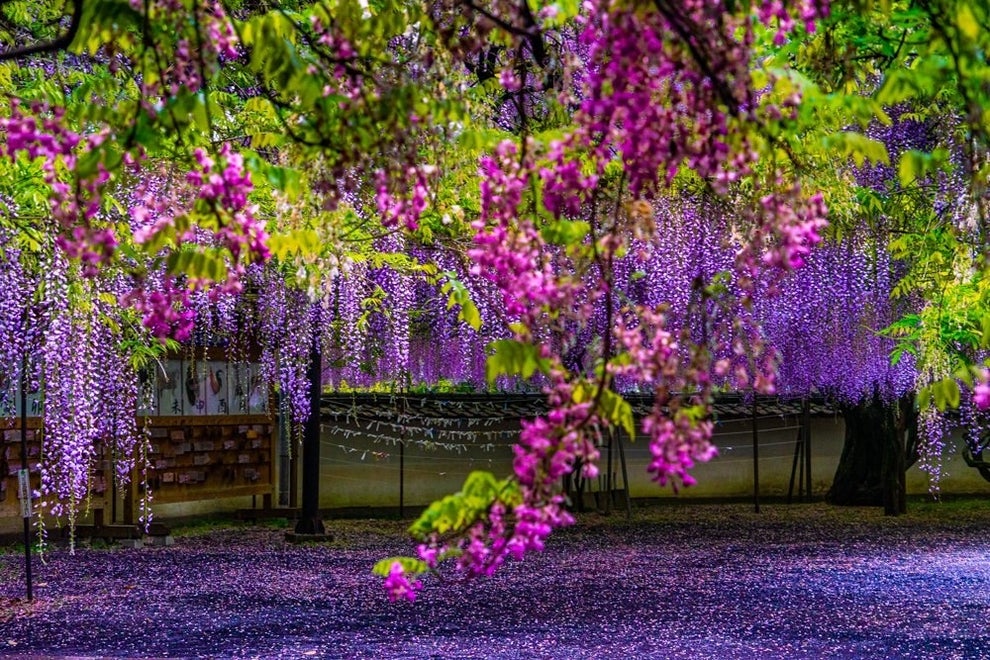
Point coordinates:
[[354, 476], [358, 473]]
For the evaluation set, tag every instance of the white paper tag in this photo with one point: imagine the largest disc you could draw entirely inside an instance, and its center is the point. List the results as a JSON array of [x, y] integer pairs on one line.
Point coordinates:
[[24, 492]]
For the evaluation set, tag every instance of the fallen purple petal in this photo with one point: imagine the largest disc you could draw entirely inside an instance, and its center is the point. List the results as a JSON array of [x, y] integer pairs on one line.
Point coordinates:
[[693, 581]]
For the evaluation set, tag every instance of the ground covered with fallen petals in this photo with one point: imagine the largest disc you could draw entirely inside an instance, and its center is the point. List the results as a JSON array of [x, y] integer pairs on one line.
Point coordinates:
[[717, 581]]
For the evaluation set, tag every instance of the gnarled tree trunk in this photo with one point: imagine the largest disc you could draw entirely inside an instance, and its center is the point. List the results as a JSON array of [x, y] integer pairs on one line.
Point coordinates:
[[880, 444]]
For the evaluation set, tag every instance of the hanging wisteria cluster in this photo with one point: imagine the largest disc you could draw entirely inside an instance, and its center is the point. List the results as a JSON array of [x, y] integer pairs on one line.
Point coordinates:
[[827, 322], [287, 323], [386, 327], [67, 329], [20, 320]]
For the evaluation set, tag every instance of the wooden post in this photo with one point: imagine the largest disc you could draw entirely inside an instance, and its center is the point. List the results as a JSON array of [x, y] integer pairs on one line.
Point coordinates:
[[609, 483], [402, 479], [113, 474], [293, 471], [756, 459], [309, 522], [806, 427], [625, 473], [797, 464]]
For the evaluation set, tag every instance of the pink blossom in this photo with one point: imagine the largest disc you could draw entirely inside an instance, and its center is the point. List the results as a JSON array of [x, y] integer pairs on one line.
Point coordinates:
[[509, 250], [398, 586], [403, 209], [981, 392]]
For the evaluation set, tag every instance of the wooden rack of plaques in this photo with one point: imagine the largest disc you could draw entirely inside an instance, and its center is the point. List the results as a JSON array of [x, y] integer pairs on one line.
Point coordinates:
[[211, 437], [191, 458], [211, 434], [10, 462], [202, 458]]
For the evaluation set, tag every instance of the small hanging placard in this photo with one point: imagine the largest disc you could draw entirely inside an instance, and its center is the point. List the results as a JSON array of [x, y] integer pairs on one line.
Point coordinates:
[[24, 492]]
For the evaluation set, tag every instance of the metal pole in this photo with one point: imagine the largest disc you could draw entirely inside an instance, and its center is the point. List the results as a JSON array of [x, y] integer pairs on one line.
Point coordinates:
[[24, 481], [402, 479], [756, 460]]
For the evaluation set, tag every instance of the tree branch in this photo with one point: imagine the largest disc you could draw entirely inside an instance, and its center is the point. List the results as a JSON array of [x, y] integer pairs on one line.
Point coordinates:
[[55, 45]]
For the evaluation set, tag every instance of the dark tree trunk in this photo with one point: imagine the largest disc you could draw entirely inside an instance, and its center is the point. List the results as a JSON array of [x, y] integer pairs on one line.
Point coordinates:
[[879, 447]]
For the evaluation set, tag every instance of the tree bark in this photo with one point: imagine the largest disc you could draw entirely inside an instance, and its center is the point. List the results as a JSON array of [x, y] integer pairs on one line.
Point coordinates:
[[880, 444]]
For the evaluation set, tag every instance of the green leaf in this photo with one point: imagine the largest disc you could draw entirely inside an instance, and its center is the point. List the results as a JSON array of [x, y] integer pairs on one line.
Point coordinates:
[[611, 406], [985, 331], [915, 165], [457, 294], [285, 245], [857, 147], [455, 513], [945, 393], [197, 263], [565, 232], [908, 167], [966, 19], [514, 358], [410, 565]]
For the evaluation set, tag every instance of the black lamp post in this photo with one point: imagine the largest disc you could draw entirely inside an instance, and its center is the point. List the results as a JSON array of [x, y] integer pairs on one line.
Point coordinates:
[[310, 523]]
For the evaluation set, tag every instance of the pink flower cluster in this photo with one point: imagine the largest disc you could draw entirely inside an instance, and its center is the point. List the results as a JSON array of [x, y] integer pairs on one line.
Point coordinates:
[[653, 100], [75, 204], [676, 443], [565, 187], [204, 37], [505, 532], [399, 586], [680, 432], [404, 210], [489, 543], [510, 251], [796, 223], [224, 185], [808, 11], [648, 98], [220, 31], [164, 311], [981, 390], [549, 448], [155, 200], [653, 351], [337, 59]]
